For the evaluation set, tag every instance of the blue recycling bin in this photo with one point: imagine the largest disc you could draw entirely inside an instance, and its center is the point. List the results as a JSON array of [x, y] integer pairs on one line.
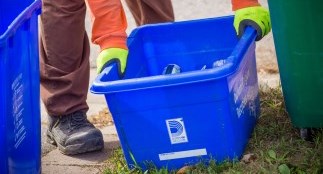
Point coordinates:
[[20, 144], [201, 113]]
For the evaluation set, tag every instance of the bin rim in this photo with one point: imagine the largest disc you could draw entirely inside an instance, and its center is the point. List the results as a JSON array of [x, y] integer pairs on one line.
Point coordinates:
[[100, 86], [19, 20]]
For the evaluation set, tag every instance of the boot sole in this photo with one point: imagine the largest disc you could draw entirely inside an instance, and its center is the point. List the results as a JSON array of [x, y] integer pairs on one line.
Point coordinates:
[[90, 145]]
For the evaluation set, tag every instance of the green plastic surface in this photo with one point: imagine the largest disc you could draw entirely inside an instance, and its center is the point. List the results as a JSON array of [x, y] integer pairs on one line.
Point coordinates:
[[298, 35]]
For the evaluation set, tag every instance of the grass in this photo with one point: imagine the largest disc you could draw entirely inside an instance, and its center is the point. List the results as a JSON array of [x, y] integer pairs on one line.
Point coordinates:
[[275, 147]]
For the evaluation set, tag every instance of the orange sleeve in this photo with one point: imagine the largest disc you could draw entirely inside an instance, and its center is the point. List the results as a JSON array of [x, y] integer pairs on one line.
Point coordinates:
[[109, 23], [238, 4]]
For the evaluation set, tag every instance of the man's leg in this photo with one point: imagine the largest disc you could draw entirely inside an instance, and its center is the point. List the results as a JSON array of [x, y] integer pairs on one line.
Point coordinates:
[[64, 71], [151, 11]]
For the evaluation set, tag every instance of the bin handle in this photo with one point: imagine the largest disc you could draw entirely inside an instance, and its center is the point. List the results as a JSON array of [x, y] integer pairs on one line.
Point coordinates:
[[249, 35], [109, 72], [252, 32], [35, 7]]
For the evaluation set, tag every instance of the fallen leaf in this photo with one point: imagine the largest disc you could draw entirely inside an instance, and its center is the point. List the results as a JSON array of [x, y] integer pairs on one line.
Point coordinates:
[[248, 158], [183, 170], [102, 118]]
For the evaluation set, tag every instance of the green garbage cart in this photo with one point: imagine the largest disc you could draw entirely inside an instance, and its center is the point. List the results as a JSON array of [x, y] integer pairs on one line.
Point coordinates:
[[298, 35]]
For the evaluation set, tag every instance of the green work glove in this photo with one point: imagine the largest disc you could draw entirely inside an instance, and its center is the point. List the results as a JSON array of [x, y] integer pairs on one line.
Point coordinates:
[[110, 55], [257, 17]]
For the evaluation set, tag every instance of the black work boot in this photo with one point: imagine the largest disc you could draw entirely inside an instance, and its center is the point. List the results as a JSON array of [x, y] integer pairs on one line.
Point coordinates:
[[74, 134]]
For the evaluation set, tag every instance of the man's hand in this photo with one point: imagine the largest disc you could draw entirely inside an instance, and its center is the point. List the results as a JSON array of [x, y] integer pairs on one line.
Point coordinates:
[[257, 17], [110, 55]]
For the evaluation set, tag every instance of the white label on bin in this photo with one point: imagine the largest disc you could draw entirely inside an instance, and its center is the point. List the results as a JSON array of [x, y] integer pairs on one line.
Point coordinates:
[[182, 154], [17, 110], [176, 130]]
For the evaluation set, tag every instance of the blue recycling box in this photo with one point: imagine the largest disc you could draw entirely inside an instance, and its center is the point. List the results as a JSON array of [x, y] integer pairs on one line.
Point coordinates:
[[20, 145], [202, 113]]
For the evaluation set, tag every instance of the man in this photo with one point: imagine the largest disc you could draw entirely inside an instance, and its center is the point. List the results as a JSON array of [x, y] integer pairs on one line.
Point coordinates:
[[64, 63], [64, 50]]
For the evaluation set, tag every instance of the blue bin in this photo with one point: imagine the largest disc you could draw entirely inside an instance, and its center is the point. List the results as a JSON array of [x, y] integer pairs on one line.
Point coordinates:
[[20, 145], [177, 119]]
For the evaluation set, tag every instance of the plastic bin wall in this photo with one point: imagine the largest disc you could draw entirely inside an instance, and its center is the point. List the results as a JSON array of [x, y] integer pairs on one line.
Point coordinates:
[[20, 146], [175, 119], [297, 28]]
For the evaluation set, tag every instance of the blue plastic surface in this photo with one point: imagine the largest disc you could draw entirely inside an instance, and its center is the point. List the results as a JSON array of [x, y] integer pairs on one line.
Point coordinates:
[[175, 119], [20, 145]]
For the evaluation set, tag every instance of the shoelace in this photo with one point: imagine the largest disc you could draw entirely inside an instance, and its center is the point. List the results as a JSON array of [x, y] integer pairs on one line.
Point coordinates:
[[78, 120]]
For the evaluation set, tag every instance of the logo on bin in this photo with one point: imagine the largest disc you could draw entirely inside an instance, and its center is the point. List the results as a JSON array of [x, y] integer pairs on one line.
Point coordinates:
[[176, 130]]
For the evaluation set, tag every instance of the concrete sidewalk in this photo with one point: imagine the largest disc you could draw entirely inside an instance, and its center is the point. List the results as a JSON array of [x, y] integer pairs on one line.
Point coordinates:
[[54, 162]]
